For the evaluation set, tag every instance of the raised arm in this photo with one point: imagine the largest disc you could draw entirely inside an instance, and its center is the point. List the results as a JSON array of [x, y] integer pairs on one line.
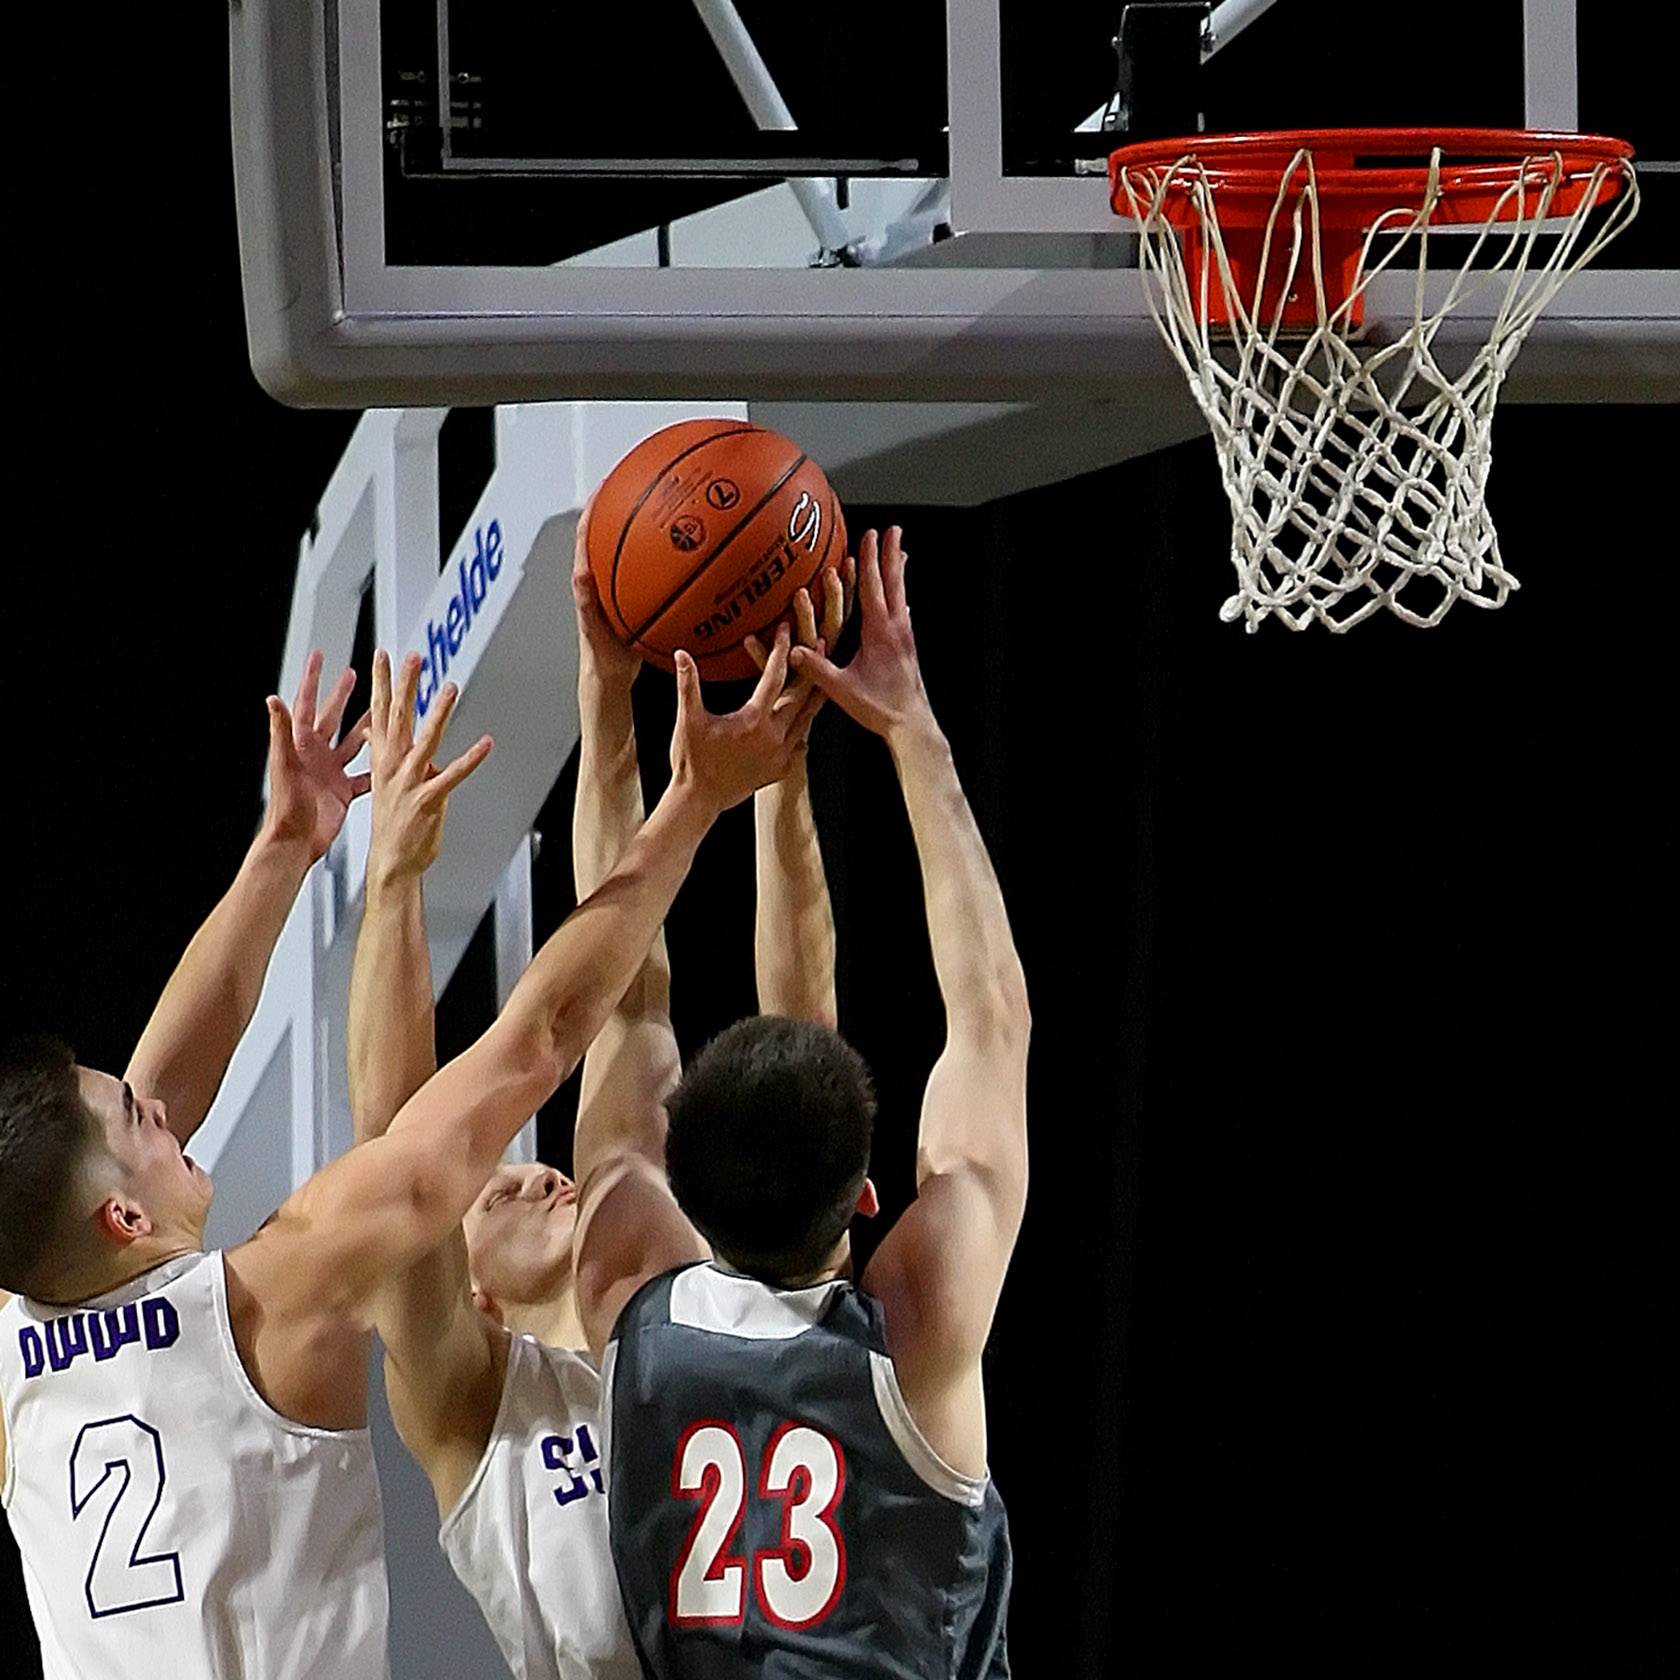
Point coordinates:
[[633, 1061], [391, 1048], [940, 1270], [629, 1226], [442, 1373], [370, 1215], [209, 999], [793, 927]]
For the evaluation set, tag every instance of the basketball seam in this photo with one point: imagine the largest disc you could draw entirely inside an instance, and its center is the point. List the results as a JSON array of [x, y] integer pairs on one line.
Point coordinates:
[[752, 513], [653, 484], [821, 560]]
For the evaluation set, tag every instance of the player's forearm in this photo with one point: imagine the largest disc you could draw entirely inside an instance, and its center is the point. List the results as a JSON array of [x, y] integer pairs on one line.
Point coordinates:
[[793, 932], [974, 956], [451, 1134], [607, 815], [609, 808], [390, 1033], [210, 998], [578, 977]]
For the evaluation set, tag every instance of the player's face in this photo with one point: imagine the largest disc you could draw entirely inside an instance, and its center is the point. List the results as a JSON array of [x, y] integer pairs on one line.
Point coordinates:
[[168, 1183], [519, 1233]]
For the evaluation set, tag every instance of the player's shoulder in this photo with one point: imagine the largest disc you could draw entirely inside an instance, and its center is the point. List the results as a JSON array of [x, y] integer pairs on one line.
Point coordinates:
[[534, 1363], [650, 1302], [710, 1298]]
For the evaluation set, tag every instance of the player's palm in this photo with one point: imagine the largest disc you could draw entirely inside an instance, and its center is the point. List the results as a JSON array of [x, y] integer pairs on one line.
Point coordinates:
[[410, 793], [310, 787], [730, 757], [882, 686], [615, 662], [323, 791]]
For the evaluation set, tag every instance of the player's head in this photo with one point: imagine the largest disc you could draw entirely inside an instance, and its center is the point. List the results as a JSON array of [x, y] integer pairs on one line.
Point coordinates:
[[90, 1176], [519, 1234], [768, 1146]]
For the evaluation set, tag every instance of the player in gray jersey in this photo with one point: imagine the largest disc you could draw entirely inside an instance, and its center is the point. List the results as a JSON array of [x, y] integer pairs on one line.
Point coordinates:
[[184, 1456], [488, 1378], [797, 1466]]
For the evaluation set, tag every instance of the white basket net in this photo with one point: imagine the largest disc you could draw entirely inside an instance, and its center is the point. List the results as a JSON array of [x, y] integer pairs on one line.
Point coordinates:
[[1357, 470]]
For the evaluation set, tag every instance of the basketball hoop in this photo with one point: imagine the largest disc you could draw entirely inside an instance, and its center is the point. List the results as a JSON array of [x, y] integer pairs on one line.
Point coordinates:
[[1356, 465]]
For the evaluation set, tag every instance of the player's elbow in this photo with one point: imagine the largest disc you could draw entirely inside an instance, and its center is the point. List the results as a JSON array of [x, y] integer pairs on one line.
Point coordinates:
[[1015, 1004], [996, 1019], [1006, 1170]]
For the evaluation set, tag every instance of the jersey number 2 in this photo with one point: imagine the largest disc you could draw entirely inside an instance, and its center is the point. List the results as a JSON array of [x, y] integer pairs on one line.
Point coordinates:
[[116, 1482], [798, 1582]]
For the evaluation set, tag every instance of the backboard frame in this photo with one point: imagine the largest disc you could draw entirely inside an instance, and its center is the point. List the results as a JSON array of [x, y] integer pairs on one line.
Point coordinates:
[[330, 323]]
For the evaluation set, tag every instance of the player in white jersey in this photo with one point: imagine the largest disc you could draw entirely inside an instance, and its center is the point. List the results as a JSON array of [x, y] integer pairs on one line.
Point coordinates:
[[185, 1463], [487, 1379], [129, 1425]]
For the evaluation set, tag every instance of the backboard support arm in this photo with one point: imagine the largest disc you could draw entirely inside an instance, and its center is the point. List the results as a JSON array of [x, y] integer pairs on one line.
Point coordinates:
[[764, 102], [1228, 20]]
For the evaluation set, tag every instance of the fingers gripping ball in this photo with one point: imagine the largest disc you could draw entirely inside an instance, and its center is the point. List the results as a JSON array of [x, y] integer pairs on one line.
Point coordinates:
[[703, 534]]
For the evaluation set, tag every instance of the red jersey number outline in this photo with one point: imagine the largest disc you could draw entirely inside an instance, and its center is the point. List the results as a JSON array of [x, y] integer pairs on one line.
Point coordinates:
[[702, 1469], [805, 1470], [812, 1468]]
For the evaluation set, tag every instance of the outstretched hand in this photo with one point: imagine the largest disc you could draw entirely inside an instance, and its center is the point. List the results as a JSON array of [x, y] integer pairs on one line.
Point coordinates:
[[838, 588], [882, 686], [309, 788], [598, 647], [730, 756], [410, 793]]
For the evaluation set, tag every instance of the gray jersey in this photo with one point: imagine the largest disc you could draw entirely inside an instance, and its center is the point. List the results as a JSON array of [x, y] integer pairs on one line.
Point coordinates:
[[171, 1522], [775, 1510], [528, 1536]]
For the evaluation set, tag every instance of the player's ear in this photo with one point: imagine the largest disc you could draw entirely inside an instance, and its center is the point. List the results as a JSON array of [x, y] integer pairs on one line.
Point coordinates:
[[122, 1220], [868, 1204]]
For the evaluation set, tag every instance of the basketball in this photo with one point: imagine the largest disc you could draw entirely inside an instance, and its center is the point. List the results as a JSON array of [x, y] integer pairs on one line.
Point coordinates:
[[703, 534]]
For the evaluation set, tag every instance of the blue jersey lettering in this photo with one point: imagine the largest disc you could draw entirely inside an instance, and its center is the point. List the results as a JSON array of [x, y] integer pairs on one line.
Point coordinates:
[[577, 1460], [163, 1325], [61, 1341], [114, 1330], [66, 1337]]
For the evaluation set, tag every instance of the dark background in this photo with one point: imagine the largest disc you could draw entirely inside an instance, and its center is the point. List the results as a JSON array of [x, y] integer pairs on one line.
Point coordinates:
[[1341, 1327]]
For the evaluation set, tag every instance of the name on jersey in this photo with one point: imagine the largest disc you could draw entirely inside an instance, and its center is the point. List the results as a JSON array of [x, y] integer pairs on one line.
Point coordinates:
[[60, 1342]]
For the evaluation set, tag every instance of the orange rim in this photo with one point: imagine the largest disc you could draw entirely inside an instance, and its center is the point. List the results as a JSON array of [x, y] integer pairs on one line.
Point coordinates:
[[1478, 166]]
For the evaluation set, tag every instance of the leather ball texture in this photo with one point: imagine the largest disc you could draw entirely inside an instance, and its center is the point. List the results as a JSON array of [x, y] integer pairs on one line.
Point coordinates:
[[703, 534]]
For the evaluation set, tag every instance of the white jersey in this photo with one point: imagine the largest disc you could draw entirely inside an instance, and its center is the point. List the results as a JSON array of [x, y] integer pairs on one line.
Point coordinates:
[[528, 1537], [171, 1522]]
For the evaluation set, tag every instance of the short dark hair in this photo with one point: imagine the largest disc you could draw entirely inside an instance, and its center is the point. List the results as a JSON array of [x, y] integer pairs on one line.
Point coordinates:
[[46, 1131], [768, 1143]]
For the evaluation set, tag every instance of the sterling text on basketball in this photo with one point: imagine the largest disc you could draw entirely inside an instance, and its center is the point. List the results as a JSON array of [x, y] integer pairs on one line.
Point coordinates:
[[804, 524]]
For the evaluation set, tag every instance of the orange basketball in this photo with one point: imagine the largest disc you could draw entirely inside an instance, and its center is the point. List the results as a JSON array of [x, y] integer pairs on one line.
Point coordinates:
[[703, 534]]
